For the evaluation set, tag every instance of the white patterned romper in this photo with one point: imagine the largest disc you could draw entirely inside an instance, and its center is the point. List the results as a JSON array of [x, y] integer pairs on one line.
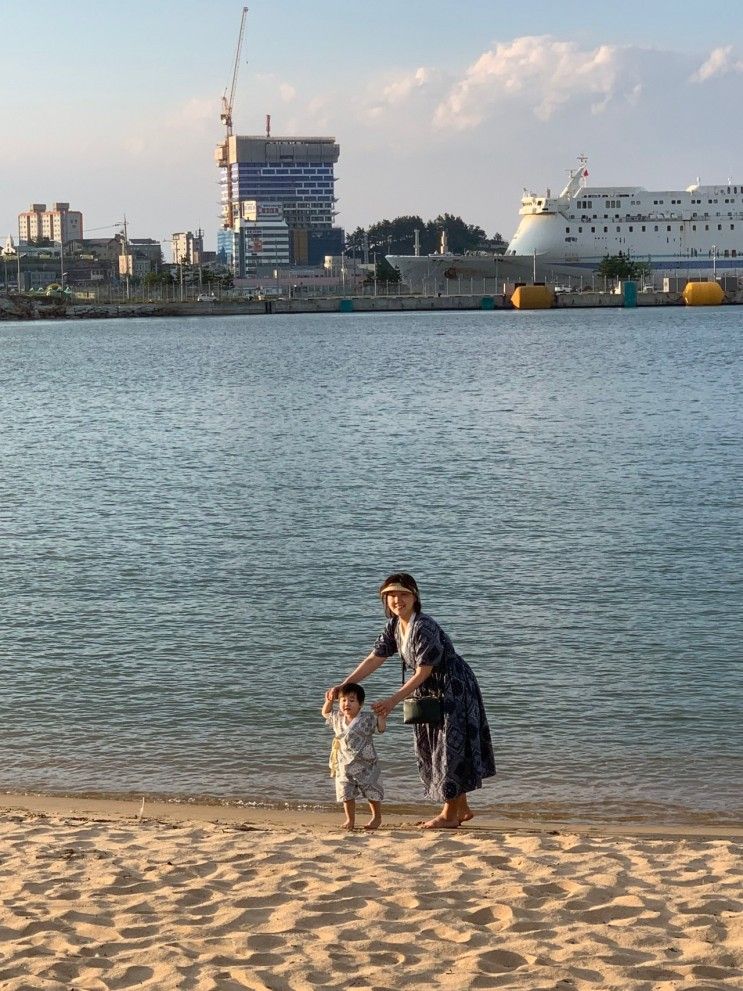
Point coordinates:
[[357, 769]]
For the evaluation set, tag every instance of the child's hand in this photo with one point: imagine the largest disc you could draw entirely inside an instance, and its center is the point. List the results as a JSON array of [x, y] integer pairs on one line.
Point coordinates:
[[330, 695]]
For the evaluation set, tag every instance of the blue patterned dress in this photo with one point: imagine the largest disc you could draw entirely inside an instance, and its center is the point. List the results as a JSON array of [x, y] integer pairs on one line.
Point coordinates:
[[455, 755]]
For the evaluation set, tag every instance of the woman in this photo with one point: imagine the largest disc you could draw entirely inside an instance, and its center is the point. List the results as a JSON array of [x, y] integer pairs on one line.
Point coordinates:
[[455, 755]]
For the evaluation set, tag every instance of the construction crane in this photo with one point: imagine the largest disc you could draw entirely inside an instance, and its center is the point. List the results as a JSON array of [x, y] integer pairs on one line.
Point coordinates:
[[226, 118], [228, 104]]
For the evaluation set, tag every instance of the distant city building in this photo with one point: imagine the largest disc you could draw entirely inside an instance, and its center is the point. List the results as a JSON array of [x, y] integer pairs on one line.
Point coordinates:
[[104, 248], [147, 249], [116, 257], [260, 238], [58, 224], [293, 173], [188, 248]]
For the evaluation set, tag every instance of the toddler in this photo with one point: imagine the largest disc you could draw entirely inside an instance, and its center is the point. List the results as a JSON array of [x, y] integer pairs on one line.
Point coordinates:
[[354, 762]]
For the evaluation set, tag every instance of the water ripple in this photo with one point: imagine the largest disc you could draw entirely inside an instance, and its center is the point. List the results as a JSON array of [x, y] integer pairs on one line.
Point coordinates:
[[195, 513]]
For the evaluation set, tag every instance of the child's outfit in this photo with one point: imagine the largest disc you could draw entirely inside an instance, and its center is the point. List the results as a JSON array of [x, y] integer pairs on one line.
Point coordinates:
[[354, 759]]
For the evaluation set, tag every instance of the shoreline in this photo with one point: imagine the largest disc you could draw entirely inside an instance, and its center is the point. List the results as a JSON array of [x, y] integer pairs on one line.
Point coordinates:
[[323, 818], [33, 308]]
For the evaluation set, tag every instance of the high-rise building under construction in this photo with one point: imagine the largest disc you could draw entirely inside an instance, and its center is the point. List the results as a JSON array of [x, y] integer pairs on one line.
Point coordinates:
[[278, 201]]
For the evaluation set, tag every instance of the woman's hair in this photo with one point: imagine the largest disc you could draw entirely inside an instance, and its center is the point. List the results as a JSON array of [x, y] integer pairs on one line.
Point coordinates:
[[351, 688], [407, 581]]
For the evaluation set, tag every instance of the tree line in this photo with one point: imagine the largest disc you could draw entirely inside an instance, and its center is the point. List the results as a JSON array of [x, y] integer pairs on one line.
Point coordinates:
[[620, 267], [397, 237]]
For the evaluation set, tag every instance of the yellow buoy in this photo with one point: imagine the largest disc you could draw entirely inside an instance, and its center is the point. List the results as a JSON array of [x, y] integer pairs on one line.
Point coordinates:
[[533, 297], [703, 294]]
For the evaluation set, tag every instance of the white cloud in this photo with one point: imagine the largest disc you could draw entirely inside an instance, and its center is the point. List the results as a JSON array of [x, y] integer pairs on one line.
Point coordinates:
[[719, 63], [320, 113], [196, 110], [269, 84], [415, 93], [541, 71], [400, 89]]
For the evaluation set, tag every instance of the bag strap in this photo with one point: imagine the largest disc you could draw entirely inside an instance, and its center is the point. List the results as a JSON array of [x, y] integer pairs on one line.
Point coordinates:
[[402, 659]]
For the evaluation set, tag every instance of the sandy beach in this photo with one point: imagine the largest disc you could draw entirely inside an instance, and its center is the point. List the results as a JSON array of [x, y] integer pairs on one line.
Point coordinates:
[[108, 895]]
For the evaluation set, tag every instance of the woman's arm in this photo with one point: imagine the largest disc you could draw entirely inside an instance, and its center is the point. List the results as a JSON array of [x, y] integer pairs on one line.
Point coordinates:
[[368, 666], [385, 707]]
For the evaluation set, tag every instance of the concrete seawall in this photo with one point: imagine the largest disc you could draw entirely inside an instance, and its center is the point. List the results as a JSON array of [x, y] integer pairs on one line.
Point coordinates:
[[42, 308]]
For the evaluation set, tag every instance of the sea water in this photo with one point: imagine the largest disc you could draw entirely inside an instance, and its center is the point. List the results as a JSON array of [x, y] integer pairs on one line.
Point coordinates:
[[195, 515]]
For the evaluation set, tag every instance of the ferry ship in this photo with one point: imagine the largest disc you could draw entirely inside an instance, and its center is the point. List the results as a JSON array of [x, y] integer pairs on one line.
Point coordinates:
[[693, 233]]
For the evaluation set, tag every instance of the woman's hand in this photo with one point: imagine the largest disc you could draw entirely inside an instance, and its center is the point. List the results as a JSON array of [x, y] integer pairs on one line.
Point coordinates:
[[332, 693], [385, 707]]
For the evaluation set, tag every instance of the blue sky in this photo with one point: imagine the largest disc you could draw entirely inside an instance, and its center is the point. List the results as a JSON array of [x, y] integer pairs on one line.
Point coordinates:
[[438, 106]]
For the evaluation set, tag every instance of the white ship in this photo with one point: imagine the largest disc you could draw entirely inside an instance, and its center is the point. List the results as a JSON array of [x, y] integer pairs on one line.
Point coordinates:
[[695, 232]]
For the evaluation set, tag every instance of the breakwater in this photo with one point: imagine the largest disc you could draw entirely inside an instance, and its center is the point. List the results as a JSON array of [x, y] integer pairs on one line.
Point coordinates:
[[44, 308]]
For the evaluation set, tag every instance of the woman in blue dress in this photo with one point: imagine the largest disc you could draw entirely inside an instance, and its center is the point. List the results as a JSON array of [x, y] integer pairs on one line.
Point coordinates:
[[455, 755]]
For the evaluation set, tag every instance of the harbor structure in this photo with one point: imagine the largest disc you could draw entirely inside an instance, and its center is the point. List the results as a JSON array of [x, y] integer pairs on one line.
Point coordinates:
[[59, 223], [277, 181]]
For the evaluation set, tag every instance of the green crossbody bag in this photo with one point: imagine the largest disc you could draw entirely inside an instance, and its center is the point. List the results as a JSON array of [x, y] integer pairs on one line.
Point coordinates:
[[423, 709]]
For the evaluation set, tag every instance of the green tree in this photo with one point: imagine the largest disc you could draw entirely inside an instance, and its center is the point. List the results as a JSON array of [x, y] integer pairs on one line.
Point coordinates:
[[621, 268], [157, 279], [355, 242], [395, 237], [460, 236], [385, 271]]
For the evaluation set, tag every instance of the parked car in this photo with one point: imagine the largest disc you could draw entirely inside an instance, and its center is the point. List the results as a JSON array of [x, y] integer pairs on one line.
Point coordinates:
[[206, 297]]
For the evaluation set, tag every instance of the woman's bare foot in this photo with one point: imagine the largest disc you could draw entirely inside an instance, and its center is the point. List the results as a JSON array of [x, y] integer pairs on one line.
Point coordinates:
[[347, 824], [374, 823], [466, 816], [439, 822]]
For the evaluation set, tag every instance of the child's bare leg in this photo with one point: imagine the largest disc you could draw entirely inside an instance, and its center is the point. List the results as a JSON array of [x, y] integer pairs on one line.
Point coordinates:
[[376, 820], [349, 807]]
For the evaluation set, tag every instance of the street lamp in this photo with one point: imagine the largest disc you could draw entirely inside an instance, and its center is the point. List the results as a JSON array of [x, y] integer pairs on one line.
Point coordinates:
[[6, 255]]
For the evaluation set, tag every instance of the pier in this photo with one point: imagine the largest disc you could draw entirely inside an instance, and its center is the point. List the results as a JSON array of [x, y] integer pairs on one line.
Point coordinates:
[[21, 307]]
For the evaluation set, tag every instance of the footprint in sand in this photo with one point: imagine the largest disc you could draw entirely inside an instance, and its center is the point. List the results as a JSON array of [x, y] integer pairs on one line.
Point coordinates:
[[611, 913], [551, 888], [265, 959], [715, 973], [499, 961], [489, 915], [386, 958], [265, 941], [132, 977]]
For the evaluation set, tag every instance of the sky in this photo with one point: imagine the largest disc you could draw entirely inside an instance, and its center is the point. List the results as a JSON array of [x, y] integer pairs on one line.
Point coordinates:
[[438, 106]]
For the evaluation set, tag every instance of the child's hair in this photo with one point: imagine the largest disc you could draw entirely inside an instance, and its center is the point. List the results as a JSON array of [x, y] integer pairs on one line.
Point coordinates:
[[351, 688]]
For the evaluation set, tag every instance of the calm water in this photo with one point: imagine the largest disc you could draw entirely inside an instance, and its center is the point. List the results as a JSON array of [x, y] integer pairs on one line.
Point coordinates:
[[195, 515]]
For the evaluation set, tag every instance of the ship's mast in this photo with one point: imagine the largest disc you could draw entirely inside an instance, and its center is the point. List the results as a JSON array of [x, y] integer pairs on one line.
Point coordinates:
[[577, 178]]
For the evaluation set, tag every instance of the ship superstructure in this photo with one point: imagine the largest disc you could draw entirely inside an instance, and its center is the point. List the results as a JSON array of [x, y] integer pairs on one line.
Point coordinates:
[[693, 231], [666, 228]]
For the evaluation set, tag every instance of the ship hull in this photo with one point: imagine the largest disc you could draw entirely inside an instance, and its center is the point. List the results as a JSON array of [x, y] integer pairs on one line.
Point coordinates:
[[491, 273], [481, 273]]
